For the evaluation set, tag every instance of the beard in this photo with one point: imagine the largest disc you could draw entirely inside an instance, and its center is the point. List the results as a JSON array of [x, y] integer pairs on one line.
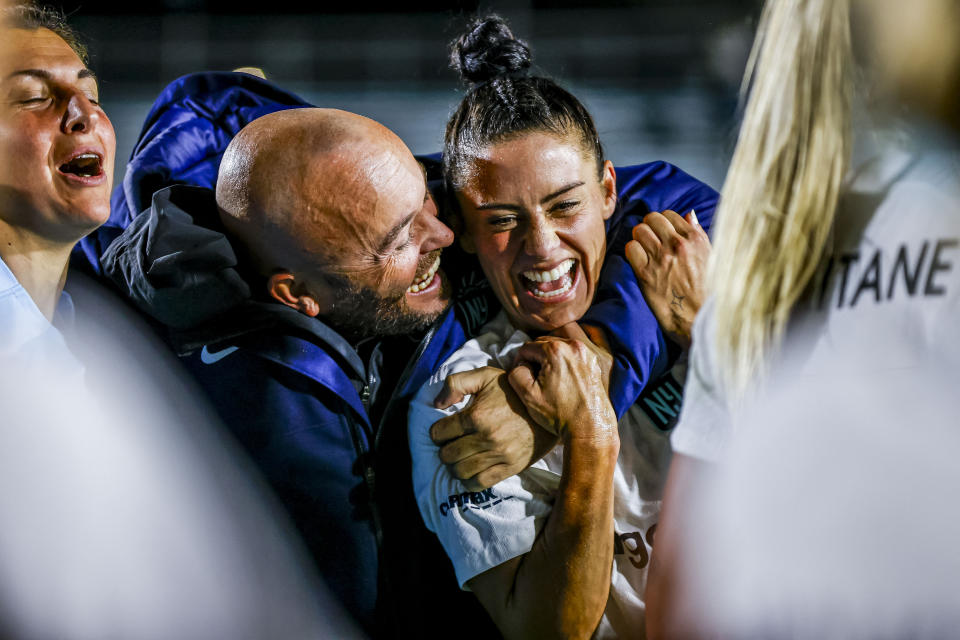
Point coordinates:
[[360, 312]]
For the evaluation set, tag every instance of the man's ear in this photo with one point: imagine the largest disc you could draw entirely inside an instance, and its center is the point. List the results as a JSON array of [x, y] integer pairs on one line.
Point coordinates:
[[608, 182], [284, 288]]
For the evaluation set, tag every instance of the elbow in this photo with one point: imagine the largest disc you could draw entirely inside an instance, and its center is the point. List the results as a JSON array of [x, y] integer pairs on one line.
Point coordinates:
[[568, 621], [557, 632]]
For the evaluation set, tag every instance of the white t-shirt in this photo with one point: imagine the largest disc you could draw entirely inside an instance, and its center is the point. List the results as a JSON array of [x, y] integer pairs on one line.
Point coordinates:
[[886, 298], [28, 341], [482, 530]]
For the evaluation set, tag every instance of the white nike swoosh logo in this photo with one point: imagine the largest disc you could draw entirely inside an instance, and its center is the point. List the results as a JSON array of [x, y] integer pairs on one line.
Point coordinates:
[[208, 357]]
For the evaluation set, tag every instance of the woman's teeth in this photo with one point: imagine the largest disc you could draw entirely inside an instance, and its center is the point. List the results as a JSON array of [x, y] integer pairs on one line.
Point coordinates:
[[424, 281], [552, 283], [567, 284], [552, 274]]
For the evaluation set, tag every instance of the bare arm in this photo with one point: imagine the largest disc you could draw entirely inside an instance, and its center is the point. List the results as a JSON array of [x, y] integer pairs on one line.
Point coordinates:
[[560, 587]]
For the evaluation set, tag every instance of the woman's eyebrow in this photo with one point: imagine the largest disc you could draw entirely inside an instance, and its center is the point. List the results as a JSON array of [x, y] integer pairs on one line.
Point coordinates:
[[43, 74], [546, 199], [561, 191]]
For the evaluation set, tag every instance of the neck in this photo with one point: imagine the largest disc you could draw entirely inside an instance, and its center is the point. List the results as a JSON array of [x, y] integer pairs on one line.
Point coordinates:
[[39, 265]]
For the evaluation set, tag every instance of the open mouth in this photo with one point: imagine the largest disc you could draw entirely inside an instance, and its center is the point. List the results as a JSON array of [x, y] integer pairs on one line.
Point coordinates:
[[545, 285], [424, 281], [84, 165]]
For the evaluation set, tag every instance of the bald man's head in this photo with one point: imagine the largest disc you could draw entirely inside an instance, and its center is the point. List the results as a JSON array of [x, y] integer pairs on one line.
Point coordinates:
[[337, 203], [286, 173]]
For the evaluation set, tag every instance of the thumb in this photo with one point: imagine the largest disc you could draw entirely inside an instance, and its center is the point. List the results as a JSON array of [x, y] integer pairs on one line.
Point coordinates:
[[524, 384], [459, 385], [692, 218]]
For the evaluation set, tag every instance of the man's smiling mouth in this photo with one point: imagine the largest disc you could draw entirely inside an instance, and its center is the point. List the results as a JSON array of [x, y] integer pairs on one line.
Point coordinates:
[[426, 279], [552, 283]]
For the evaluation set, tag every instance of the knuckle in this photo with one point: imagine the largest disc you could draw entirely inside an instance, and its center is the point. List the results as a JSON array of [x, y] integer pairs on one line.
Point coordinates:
[[486, 479], [461, 471], [448, 454]]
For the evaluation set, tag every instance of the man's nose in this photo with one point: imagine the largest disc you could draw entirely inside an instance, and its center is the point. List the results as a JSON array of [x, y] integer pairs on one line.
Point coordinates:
[[435, 234], [540, 238], [81, 114]]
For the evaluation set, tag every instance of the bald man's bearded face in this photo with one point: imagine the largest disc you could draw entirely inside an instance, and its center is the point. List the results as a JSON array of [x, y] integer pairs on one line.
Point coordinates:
[[384, 274], [362, 312]]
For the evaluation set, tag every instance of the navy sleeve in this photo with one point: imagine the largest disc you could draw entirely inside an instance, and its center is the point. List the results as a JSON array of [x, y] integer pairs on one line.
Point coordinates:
[[638, 345]]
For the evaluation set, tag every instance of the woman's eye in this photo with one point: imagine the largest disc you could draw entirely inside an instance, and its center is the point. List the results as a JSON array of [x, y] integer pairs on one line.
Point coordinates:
[[502, 222], [565, 205], [32, 100]]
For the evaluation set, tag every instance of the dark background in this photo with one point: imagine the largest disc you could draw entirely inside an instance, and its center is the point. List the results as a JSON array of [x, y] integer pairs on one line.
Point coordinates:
[[660, 76]]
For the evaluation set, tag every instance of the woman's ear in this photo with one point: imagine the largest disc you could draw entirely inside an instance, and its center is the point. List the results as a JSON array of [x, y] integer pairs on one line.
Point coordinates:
[[608, 182], [284, 288]]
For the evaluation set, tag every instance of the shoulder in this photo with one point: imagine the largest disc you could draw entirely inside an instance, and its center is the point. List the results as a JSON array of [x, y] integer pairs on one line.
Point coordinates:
[[658, 180], [658, 186]]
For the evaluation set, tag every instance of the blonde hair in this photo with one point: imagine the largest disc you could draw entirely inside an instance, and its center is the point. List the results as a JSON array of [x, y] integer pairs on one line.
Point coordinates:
[[778, 201]]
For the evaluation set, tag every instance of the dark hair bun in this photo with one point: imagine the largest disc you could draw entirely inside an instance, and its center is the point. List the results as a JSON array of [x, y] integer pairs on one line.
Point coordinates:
[[488, 49]]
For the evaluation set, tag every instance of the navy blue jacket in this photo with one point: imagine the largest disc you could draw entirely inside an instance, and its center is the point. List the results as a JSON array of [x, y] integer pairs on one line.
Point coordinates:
[[292, 389]]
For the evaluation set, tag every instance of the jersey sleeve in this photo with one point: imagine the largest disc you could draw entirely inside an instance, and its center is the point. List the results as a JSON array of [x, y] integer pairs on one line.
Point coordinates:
[[478, 530], [704, 426]]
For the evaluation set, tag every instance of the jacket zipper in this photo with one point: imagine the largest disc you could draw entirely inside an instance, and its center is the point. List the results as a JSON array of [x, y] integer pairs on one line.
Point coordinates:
[[387, 581]]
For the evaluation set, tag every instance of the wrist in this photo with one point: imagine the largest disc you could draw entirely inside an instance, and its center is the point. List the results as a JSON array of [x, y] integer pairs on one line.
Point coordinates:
[[595, 432]]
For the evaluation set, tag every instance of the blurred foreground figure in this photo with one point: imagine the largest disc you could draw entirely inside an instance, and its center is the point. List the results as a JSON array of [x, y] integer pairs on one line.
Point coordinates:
[[125, 514], [809, 493], [128, 514]]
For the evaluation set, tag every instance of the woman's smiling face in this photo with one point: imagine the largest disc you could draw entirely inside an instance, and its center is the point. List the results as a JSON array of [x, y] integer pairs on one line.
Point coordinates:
[[533, 210]]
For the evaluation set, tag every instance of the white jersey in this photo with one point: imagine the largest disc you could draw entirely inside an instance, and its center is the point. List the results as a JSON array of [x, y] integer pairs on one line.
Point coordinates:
[[886, 297], [482, 530]]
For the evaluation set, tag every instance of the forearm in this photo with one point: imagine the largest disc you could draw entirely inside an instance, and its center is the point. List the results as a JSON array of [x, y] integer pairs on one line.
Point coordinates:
[[560, 588]]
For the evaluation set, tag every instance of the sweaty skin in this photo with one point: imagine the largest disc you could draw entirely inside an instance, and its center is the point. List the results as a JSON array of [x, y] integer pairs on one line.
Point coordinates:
[[559, 588], [494, 436]]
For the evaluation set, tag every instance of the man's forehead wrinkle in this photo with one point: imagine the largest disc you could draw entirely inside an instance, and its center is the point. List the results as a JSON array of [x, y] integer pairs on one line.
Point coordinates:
[[318, 177]]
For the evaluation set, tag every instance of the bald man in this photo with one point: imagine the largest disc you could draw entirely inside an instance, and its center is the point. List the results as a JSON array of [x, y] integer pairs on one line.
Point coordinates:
[[322, 242]]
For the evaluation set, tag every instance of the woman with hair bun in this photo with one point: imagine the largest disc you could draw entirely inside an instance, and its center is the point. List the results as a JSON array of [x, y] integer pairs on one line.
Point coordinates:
[[533, 194]]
